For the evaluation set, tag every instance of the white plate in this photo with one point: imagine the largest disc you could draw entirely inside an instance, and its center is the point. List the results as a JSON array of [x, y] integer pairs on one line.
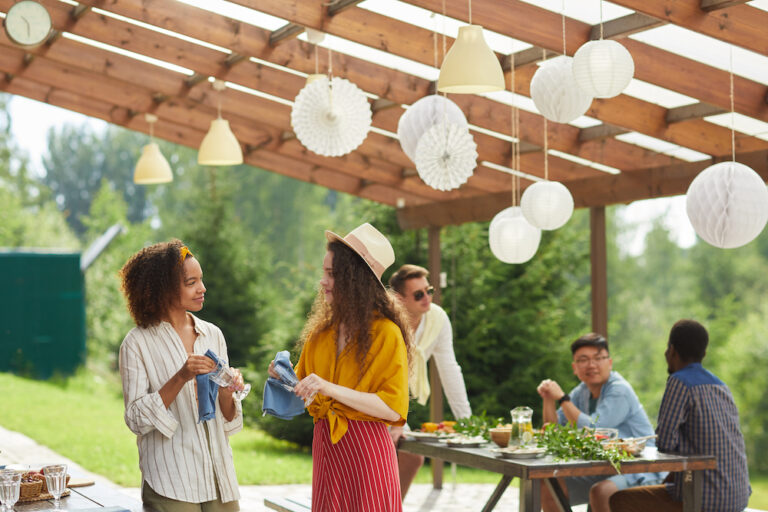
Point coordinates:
[[525, 453], [428, 436], [465, 442]]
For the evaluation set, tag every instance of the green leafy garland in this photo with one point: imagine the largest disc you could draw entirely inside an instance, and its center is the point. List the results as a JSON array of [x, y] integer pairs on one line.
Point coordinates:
[[569, 443], [476, 425]]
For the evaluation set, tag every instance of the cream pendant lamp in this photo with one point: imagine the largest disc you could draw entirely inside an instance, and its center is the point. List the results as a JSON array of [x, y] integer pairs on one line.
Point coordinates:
[[220, 147], [470, 66], [152, 166]]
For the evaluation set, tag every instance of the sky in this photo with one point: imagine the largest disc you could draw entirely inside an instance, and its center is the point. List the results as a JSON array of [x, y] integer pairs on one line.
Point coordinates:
[[31, 120]]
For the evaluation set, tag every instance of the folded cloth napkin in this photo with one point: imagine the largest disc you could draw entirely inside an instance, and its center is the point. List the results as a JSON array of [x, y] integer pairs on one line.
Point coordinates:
[[207, 391], [279, 401]]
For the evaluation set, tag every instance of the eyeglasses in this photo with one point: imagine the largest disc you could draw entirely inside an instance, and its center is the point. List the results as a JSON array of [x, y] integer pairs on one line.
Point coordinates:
[[419, 294], [584, 361]]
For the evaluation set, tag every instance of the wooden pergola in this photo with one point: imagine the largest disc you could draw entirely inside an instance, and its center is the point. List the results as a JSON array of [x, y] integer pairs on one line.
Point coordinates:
[[89, 65]]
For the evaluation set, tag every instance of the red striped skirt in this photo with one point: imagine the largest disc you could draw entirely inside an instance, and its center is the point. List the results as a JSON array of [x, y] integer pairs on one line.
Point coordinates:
[[357, 474]]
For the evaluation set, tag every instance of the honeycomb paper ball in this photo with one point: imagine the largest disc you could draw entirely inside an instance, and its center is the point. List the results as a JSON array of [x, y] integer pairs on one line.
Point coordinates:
[[727, 204], [511, 238], [547, 204], [555, 93], [424, 114], [331, 117], [602, 69], [446, 156]]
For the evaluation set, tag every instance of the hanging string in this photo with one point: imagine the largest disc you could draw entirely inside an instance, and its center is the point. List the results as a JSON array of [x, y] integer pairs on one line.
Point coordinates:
[[443, 21], [514, 121], [317, 61], [546, 151], [601, 20], [330, 63], [470, 12], [563, 19], [733, 110]]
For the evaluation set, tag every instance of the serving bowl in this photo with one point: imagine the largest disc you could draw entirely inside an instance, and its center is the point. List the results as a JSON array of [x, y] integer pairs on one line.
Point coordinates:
[[500, 435]]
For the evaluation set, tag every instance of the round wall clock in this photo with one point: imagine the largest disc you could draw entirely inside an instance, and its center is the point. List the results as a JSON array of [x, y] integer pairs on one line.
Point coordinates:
[[27, 23]]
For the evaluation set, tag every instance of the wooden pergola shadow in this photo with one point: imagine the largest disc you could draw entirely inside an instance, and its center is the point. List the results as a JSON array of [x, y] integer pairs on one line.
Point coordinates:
[[88, 65]]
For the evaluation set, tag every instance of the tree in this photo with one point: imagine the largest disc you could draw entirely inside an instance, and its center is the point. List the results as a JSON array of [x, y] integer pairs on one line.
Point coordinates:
[[80, 157]]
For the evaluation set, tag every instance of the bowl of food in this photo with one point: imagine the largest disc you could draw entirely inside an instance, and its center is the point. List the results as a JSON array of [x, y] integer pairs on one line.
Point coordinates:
[[500, 435], [630, 445], [605, 434]]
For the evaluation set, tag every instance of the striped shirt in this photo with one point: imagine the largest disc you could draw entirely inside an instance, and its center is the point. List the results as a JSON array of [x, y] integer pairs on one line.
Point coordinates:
[[175, 457], [698, 417]]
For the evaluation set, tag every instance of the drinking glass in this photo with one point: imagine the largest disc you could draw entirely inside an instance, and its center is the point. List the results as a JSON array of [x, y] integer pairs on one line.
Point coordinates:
[[224, 376], [56, 480], [290, 388], [10, 485]]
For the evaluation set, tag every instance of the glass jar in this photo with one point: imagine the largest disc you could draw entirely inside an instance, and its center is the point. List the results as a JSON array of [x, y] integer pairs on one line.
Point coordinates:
[[522, 425]]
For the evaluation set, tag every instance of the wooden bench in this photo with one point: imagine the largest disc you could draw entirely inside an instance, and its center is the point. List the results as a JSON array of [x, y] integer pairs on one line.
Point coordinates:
[[288, 504]]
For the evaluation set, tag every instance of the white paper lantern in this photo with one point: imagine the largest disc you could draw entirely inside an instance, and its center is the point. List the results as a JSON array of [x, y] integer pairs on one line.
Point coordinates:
[[547, 204], [446, 156], [511, 238], [727, 203], [424, 114], [331, 118], [603, 68], [555, 93]]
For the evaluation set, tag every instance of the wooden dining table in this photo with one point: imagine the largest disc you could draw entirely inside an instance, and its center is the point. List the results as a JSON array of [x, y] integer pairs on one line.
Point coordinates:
[[96, 496], [533, 473]]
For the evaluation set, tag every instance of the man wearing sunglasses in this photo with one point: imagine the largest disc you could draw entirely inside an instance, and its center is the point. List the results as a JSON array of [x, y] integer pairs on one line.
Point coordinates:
[[602, 399], [433, 337]]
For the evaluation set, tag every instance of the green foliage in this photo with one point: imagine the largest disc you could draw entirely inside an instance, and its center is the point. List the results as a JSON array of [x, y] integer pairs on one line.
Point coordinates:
[[566, 442], [80, 157], [477, 425]]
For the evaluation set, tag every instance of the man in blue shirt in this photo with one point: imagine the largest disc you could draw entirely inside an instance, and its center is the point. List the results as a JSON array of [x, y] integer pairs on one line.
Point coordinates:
[[697, 417], [602, 399]]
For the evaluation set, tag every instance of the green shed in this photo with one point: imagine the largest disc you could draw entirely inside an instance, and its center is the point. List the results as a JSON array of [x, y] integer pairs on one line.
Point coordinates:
[[42, 313]]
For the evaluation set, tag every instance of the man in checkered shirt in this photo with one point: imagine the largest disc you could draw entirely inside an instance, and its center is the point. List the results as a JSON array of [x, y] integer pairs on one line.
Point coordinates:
[[697, 417]]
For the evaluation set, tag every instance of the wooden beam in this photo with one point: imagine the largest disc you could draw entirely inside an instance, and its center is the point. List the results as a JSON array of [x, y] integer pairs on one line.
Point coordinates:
[[531, 55], [436, 398], [610, 189], [337, 6], [695, 111], [625, 26], [391, 84], [741, 25], [284, 33], [714, 5], [599, 270], [600, 132]]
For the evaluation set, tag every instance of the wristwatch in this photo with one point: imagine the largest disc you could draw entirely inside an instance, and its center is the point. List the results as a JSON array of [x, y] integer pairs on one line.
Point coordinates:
[[565, 398]]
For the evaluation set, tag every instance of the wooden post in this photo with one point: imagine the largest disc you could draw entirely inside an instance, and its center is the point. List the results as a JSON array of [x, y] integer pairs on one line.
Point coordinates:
[[599, 262], [436, 398]]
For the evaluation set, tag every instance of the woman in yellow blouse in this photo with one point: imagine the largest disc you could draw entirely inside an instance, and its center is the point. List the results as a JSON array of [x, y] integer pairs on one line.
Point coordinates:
[[354, 363]]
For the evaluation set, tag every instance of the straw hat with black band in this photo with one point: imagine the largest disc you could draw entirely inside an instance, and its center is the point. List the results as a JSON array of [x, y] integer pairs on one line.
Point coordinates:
[[369, 244]]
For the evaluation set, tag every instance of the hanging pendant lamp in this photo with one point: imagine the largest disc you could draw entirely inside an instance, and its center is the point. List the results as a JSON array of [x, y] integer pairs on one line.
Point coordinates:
[[470, 66], [220, 146], [152, 167]]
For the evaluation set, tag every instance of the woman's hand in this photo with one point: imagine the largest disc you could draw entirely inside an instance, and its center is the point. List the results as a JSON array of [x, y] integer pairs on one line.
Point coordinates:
[[272, 372], [238, 383], [311, 385], [196, 365]]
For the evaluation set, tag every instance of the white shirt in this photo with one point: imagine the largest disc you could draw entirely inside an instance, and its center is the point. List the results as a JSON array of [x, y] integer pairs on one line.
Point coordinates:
[[174, 455], [450, 371]]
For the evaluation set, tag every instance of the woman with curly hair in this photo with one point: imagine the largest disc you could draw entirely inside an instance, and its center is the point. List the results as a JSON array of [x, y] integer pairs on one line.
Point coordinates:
[[181, 422], [354, 363]]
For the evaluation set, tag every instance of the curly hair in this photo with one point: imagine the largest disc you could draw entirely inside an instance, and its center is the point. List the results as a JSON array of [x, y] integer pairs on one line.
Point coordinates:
[[151, 280], [358, 298]]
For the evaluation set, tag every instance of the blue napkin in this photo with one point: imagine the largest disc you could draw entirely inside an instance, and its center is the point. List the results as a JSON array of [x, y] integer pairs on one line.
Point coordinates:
[[278, 400], [207, 392]]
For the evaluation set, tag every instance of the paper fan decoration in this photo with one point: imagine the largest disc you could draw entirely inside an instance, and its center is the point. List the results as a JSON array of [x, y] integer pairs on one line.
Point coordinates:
[[446, 155], [331, 118], [424, 114]]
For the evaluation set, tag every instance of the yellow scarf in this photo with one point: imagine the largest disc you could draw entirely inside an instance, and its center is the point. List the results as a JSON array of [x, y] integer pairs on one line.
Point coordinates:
[[419, 379]]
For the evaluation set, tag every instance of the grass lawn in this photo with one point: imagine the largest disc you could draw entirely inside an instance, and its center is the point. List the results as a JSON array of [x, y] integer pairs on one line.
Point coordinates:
[[82, 419]]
